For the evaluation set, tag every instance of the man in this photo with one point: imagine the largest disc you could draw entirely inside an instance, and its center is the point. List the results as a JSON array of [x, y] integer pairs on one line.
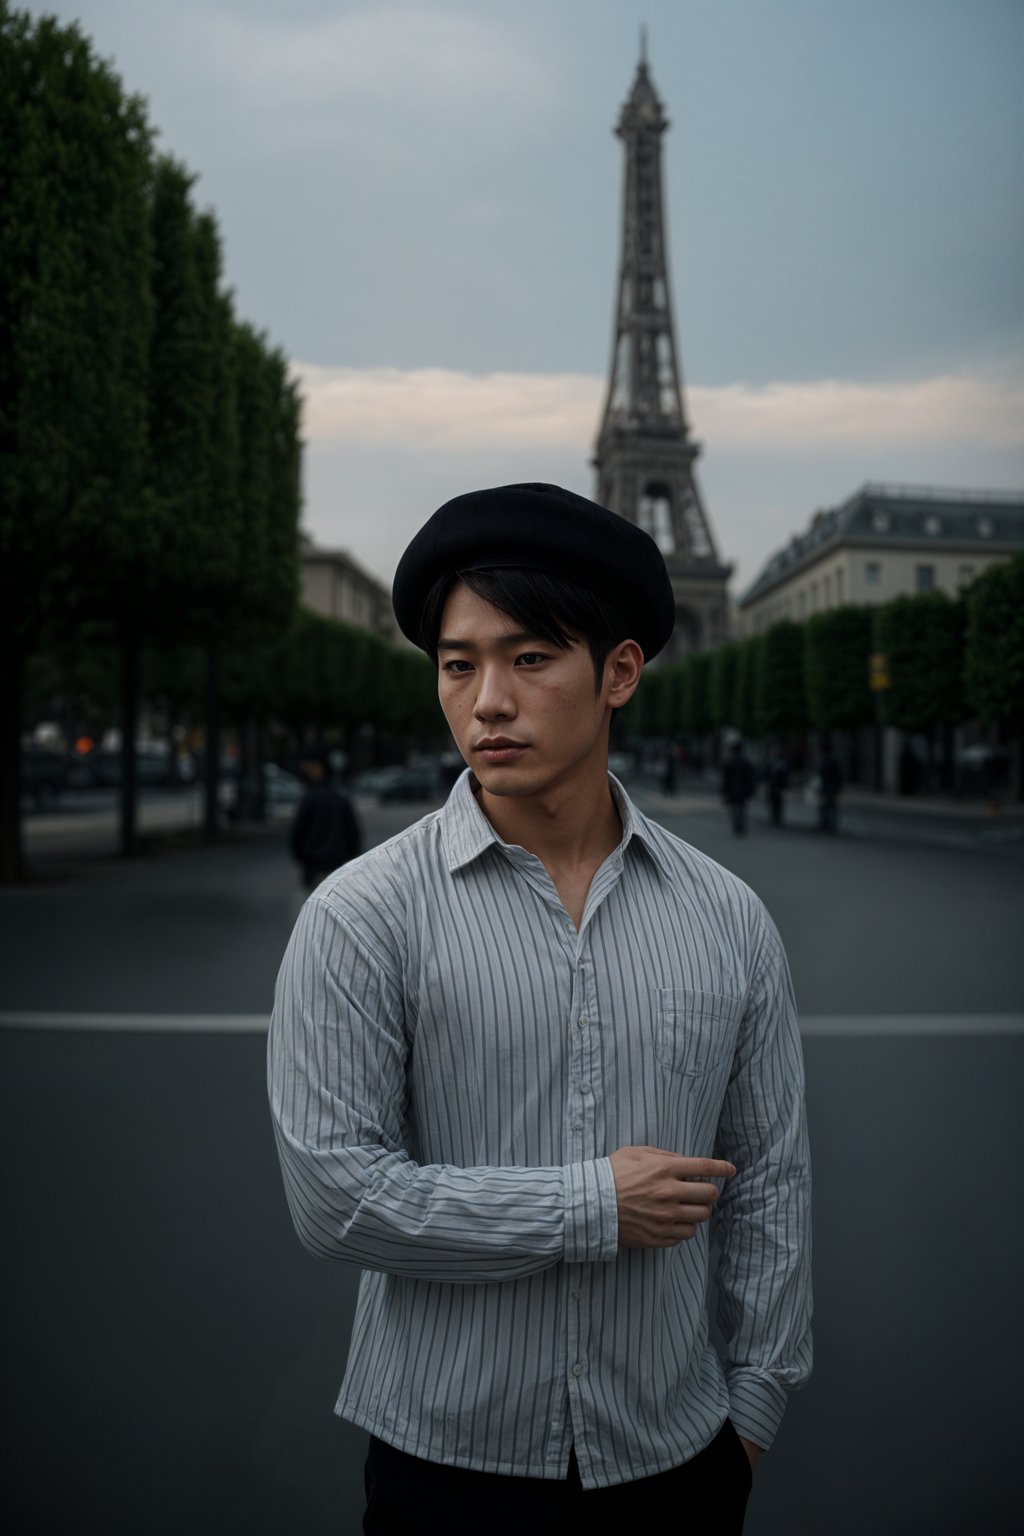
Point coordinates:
[[520, 1054], [325, 833], [830, 782], [738, 785], [776, 783]]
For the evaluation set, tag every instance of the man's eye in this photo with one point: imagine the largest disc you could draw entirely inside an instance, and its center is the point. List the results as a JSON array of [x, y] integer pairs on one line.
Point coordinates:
[[531, 658], [456, 667]]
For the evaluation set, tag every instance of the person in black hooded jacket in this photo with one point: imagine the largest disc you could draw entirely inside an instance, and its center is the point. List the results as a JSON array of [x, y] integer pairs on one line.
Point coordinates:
[[326, 831]]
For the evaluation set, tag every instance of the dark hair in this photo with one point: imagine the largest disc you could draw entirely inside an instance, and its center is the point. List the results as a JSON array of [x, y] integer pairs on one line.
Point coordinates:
[[553, 608]]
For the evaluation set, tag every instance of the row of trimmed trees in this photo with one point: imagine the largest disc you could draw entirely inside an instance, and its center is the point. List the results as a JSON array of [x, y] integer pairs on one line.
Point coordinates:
[[947, 661], [149, 439], [150, 456], [320, 682]]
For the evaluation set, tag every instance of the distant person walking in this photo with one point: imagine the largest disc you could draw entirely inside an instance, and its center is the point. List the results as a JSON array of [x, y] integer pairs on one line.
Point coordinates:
[[326, 831], [776, 784], [830, 782], [738, 784]]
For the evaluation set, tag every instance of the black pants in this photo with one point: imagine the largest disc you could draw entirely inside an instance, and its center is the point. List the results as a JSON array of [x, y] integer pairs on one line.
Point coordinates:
[[406, 1496]]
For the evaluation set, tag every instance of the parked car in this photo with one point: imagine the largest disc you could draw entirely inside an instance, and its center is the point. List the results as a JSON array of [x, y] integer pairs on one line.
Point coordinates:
[[411, 784], [44, 773], [152, 764], [372, 781], [281, 790]]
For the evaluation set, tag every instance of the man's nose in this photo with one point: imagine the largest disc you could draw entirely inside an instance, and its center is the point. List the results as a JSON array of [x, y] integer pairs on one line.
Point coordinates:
[[494, 697]]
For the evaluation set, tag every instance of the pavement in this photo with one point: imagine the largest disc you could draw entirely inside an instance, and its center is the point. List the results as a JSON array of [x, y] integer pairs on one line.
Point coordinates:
[[172, 1355]]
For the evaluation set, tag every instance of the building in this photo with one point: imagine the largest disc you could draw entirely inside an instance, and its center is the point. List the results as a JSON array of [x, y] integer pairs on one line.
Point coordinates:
[[337, 586], [884, 542], [645, 456]]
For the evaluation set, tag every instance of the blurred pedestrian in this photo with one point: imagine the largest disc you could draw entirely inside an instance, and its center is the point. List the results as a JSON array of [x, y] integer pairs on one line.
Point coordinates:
[[460, 1044], [830, 783], [776, 784], [738, 785], [325, 832], [671, 769]]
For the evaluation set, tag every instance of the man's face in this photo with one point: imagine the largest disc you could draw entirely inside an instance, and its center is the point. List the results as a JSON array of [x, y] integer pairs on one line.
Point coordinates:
[[525, 715]]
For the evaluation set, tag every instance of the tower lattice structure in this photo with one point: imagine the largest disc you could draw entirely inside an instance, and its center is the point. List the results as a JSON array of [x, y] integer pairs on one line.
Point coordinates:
[[645, 455]]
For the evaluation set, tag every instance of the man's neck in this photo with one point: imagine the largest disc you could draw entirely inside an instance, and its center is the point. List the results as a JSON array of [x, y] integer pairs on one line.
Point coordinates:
[[570, 827]]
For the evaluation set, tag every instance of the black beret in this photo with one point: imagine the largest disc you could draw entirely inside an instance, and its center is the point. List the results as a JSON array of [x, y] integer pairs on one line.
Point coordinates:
[[541, 528]]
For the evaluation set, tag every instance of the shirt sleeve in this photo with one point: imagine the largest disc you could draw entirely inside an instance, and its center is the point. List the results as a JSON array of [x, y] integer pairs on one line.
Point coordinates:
[[337, 1057], [762, 1221]]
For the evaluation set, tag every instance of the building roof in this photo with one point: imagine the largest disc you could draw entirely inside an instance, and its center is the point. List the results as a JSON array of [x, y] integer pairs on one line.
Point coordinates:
[[902, 517], [310, 554]]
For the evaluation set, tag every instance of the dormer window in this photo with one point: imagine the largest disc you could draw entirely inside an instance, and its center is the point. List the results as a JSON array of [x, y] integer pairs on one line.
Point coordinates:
[[932, 523], [880, 520], [985, 526]]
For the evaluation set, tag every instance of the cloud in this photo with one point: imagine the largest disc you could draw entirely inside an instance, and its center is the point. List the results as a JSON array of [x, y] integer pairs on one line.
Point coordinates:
[[435, 409], [370, 61], [430, 408]]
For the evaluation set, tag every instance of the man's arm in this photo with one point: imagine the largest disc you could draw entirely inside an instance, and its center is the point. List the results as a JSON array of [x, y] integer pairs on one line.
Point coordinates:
[[763, 1218], [338, 1091]]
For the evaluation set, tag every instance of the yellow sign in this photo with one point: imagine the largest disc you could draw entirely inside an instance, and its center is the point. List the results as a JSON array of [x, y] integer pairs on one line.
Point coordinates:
[[878, 675]]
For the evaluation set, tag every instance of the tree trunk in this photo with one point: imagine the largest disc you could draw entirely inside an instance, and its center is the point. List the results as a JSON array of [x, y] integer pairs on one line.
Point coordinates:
[[211, 760], [259, 809], [129, 731], [12, 863]]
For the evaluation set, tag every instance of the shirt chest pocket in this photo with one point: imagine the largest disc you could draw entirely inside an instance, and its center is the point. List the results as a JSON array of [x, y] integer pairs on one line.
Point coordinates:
[[695, 1032]]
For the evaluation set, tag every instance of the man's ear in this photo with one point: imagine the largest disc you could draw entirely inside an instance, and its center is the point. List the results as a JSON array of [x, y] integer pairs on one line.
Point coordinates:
[[623, 668]]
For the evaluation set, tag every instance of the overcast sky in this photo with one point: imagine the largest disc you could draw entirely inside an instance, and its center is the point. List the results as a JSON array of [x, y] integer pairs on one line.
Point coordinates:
[[420, 203]]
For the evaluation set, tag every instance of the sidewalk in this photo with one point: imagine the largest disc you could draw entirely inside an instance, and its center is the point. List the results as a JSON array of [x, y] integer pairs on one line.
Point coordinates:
[[862, 813]]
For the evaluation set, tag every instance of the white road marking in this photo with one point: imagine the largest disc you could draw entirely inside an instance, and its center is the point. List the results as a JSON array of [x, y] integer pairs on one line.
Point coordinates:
[[812, 1025]]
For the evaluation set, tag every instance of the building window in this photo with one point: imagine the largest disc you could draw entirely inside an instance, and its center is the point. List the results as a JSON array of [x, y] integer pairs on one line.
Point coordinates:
[[985, 526], [880, 521], [839, 588], [872, 573], [828, 591], [924, 578], [932, 524], [800, 605]]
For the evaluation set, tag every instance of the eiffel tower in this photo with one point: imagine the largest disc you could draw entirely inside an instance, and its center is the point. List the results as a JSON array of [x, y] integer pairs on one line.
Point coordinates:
[[645, 455]]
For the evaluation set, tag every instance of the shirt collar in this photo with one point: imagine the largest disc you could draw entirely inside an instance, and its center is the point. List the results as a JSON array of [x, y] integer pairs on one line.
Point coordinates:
[[466, 833]]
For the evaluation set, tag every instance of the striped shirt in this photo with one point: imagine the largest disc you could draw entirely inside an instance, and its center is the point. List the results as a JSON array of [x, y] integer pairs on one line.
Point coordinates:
[[450, 1066]]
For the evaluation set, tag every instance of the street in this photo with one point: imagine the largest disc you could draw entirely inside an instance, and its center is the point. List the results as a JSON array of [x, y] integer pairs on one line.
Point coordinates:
[[173, 1355]]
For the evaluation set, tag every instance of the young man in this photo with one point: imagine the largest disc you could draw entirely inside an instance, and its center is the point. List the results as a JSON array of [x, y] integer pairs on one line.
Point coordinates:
[[519, 1056]]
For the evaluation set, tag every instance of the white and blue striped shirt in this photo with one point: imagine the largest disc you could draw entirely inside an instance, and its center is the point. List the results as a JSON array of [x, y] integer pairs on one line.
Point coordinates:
[[451, 1064]]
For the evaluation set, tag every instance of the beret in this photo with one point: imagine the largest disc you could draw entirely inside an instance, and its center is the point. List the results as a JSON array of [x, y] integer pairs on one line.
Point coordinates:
[[541, 528]]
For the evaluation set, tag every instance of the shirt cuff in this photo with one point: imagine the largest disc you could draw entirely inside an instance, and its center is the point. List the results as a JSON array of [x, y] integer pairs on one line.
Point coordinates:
[[591, 1213], [756, 1406]]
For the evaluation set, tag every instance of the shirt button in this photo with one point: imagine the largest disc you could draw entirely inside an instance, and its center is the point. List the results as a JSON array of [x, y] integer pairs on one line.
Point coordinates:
[[582, 1023], [576, 1295], [577, 1125], [584, 1087], [577, 1369]]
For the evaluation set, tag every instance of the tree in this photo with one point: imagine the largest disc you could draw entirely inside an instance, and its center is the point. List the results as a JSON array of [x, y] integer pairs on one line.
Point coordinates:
[[696, 693], [994, 650], [75, 316], [837, 646], [743, 701], [722, 684], [921, 638], [780, 697]]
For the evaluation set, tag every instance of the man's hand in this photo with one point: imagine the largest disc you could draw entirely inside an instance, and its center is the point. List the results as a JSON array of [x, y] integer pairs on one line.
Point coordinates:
[[662, 1197], [753, 1451]]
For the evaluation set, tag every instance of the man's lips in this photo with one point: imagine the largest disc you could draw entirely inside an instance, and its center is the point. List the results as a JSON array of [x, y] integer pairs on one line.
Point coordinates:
[[499, 749]]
